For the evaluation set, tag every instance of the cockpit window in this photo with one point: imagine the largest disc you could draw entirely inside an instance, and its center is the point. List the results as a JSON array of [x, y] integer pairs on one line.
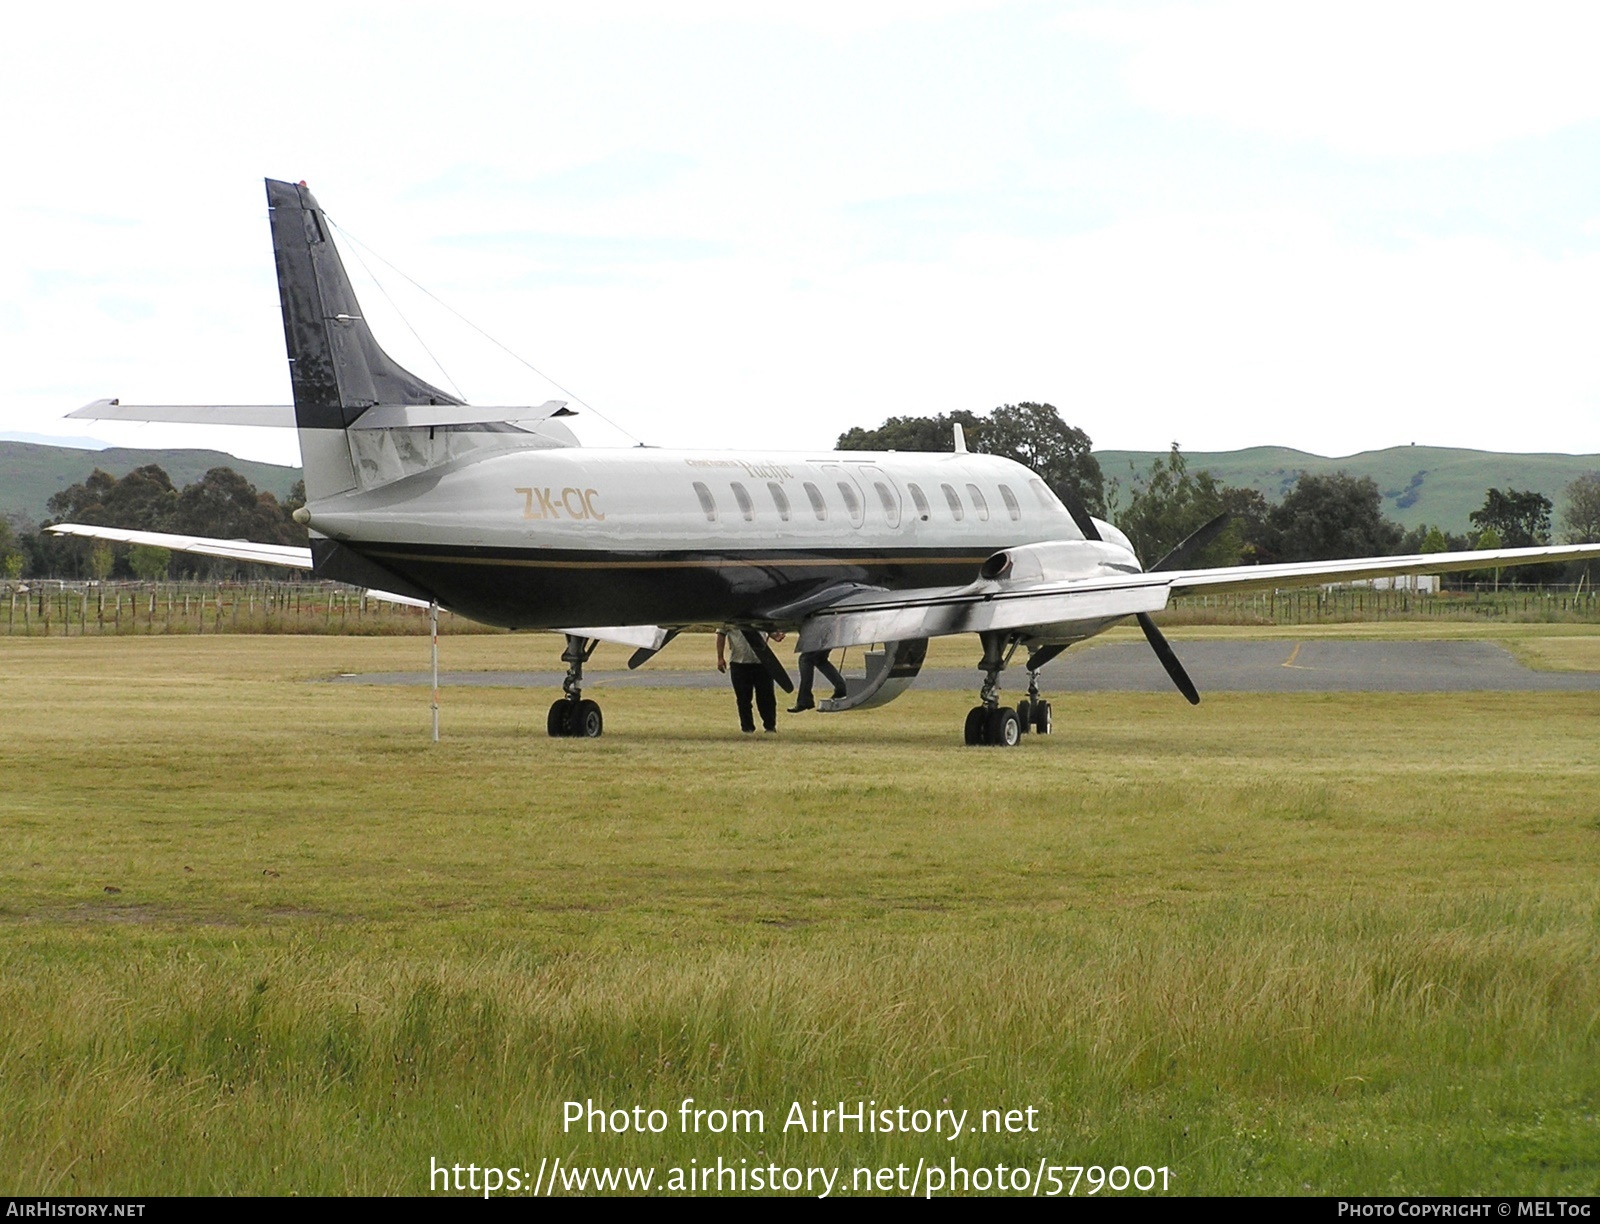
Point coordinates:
[[1041, 492]]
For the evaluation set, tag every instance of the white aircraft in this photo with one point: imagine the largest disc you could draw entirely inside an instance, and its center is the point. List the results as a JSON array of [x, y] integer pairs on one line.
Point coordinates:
[[500, 515]]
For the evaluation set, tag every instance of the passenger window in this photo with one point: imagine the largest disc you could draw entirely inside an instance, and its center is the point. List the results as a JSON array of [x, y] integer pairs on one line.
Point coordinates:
[[891, 508], [953, 500], [852, 503], [746, 506], [818, 506], [780, 499], [920, 501], [978, 504], [1013, 507], [707, 502]]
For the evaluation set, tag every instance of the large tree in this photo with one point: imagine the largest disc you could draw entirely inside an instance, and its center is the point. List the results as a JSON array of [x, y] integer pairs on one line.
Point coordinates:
[[221, 504], [143, 500], [1521, 519], [1324, 518], [1581, 515], [12, 557], [1033, 434], [1168, 503]]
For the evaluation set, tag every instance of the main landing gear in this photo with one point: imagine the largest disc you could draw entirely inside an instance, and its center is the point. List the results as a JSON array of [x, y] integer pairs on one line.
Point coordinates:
[[575, 714], [992, 723]]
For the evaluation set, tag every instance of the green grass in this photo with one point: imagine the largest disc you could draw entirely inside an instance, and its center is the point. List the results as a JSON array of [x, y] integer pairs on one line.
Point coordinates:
[[1331, 943]]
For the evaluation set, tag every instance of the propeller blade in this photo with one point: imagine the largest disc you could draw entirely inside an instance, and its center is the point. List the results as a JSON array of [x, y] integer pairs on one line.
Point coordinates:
[[1038, 658], [1193, 544], [769, 661], [1163, 650], [1080, 514], [644, 654]]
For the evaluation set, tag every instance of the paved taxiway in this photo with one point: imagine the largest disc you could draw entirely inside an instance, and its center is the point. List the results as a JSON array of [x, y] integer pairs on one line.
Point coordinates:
[[1322, 666]]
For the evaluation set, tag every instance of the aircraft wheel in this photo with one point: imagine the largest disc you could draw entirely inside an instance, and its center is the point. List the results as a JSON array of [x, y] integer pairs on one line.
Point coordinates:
[[1041, 717], [977, 717], [586, 720], [1004, 729], [1025, 710], [559, 723]]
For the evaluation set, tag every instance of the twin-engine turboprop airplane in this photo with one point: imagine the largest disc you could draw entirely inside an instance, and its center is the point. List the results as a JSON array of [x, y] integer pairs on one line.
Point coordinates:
[[499, 515]]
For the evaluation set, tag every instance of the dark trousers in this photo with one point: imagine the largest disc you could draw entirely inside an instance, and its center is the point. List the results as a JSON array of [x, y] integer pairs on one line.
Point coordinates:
[[816, 661], [751, 680]]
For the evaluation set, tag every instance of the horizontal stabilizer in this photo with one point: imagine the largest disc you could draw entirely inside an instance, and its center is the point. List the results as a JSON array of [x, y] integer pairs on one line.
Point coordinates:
[[272, 416], [427, 416], [281, 416]]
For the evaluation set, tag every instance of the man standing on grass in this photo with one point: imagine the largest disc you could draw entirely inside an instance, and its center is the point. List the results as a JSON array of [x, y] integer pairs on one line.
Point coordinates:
[[750, 679]]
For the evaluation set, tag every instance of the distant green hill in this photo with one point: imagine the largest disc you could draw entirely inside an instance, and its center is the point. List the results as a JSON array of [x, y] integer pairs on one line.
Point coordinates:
[[1421, 484], [30, 473]]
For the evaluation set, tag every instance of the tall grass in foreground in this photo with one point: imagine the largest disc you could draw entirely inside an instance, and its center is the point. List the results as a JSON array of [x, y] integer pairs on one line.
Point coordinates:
[[256, 935], [1452, 1050]]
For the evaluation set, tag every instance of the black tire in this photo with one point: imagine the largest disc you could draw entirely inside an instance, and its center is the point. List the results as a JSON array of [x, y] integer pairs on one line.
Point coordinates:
[[977, 720], [1041, 717], [586, 720], [1004, 729], [1025, 715], [559, 723]]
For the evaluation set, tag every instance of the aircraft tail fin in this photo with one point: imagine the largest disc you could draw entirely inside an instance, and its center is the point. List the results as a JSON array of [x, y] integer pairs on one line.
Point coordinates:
[[336, 366]]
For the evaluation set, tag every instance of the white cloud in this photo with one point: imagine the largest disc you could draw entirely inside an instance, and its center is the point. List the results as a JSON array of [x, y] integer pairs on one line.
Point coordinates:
[[724, 243], [1388, 77]]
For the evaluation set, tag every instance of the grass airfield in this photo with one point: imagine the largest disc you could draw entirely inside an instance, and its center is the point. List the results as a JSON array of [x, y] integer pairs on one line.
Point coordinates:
[[260, 936]]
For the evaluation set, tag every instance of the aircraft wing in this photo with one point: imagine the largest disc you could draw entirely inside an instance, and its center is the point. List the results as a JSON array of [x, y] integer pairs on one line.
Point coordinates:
[[287, 555], [290, 556], [892, 616], [1311, 573], [1038, 606]]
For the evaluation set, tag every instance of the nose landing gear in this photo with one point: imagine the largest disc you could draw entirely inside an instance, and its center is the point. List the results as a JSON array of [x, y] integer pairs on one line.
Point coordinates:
[[575, 715]]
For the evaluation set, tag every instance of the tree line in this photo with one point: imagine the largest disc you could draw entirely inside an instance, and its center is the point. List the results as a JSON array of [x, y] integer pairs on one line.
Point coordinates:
[[1319, 518], [222, 504]]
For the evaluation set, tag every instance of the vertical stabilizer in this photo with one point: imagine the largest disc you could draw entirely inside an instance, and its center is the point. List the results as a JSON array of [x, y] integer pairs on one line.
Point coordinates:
[[336, 367]]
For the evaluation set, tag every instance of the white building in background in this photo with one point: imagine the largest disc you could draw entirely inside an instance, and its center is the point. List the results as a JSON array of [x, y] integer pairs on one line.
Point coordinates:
[[1422, 584]]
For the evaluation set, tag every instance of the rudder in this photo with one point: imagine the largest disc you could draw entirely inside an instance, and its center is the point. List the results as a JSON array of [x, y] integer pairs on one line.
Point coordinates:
[[336, 367]]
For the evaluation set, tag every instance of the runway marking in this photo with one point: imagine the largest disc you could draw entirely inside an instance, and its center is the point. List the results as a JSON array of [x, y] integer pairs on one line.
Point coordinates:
[[1293, 655]]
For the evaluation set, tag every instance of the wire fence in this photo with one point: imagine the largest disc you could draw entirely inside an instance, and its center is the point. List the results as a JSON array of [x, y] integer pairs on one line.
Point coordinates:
[[1332, 605], [47, 607]]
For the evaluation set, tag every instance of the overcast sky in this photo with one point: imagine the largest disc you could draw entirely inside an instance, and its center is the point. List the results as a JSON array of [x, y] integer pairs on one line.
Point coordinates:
[[1336, 227]]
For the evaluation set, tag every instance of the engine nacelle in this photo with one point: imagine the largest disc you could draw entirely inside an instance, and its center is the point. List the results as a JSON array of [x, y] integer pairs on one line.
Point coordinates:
[[1053, 560]]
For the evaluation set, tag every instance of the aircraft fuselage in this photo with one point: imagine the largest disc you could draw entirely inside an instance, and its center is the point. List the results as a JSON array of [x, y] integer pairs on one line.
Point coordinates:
[[542, 538]]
